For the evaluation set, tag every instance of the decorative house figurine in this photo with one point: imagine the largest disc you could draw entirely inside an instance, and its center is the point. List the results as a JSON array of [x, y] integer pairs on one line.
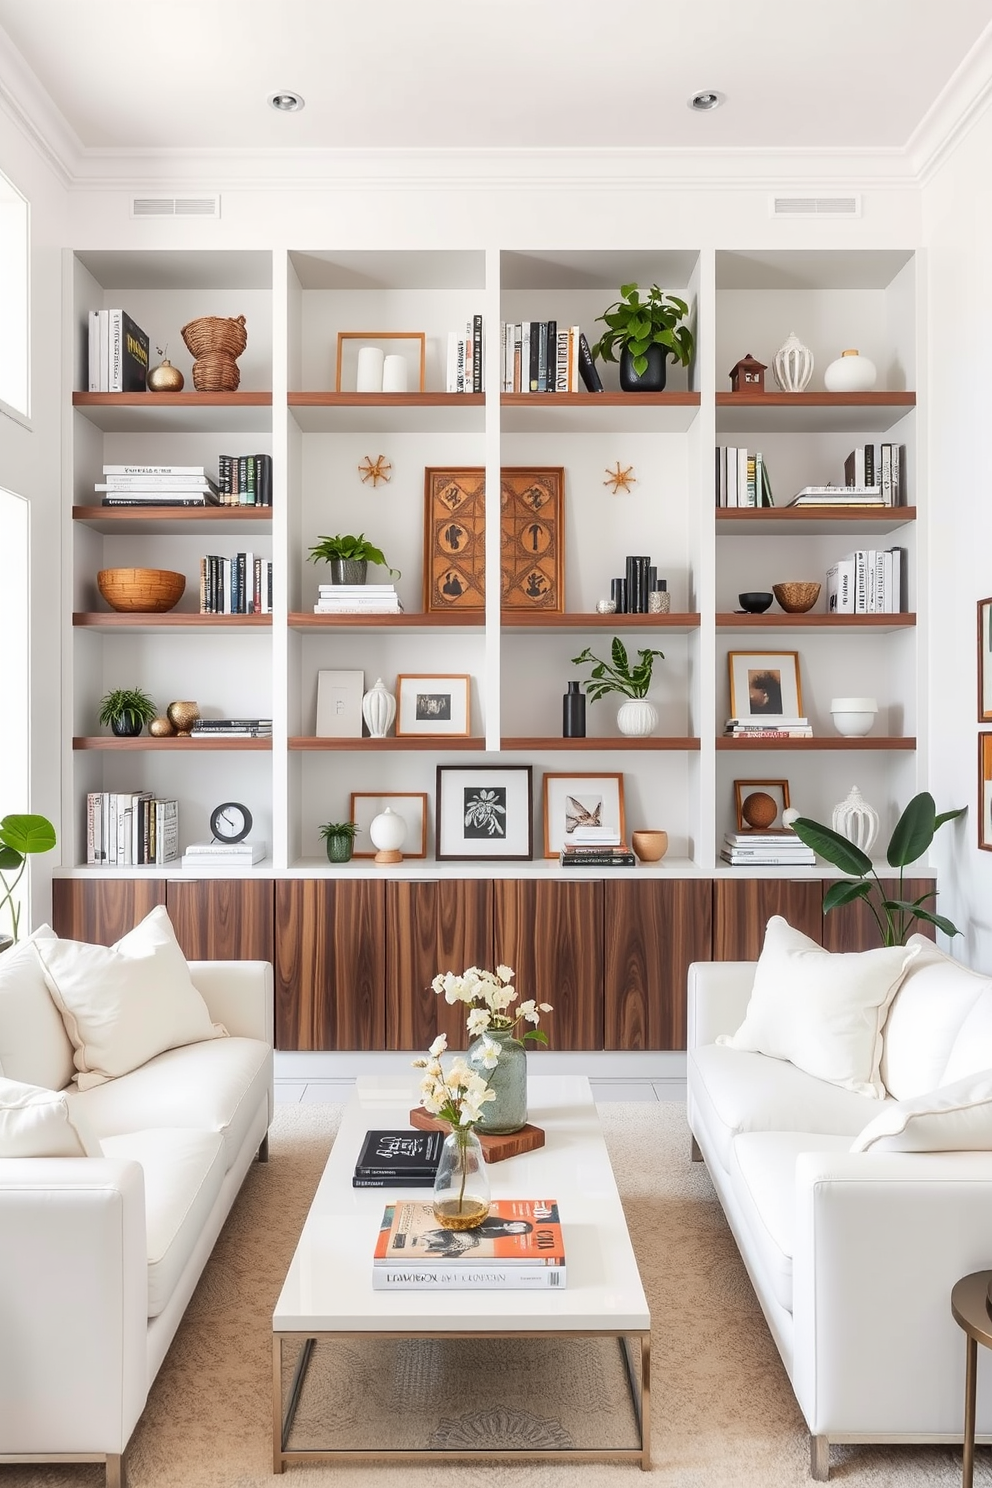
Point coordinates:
[[748, 376]]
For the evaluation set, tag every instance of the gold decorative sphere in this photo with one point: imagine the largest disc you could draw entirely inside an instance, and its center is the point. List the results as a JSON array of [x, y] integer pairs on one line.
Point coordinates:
[[759, 809], [183, 716], [161, 728], [165, 378]]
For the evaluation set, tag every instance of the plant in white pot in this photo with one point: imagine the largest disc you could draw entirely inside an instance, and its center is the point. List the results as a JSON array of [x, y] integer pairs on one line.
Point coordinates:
[[636, 717]]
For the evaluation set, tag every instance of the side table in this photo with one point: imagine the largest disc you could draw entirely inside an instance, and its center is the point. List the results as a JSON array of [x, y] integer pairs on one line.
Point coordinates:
[[968, 1307]]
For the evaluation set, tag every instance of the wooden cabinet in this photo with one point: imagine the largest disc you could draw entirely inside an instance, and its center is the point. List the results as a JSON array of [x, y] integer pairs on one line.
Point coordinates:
[[225, 919], [551, 933], [853, 927], [330, 963], [742, 908], [438, 925], [653, 929], [101, 910]]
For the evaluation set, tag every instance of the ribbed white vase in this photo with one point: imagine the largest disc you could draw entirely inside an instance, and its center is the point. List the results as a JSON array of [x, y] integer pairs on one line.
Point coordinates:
[[856, 820], [793, 365], [378, 710], [637, 718]]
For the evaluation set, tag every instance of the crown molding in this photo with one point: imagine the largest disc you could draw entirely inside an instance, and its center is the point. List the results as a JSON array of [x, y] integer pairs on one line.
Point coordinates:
[[31, 109], [955, 111]]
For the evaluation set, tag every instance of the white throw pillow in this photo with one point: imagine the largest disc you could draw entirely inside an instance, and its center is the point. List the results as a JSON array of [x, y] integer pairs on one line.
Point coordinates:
[[125, 1003], [934, 999], [971, 1051], [955, 1118], [36, 1123], [821, 1010], [34, 1046]]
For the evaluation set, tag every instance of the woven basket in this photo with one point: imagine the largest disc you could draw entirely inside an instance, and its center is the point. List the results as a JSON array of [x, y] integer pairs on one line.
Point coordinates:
[[215, 333], [796, 598], [216, 372], [149, 590]]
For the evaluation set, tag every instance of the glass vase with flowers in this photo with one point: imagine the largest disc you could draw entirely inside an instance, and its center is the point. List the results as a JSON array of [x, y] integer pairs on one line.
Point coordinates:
[[458, 1096]]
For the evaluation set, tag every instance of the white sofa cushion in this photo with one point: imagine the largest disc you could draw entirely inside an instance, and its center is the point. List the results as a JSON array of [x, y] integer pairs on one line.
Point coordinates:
[[970, 1051], [821, 1010], [125, 1003], [927, 1014], [35, 1122], [955, 1118], [183, 1171], [34, 1046]]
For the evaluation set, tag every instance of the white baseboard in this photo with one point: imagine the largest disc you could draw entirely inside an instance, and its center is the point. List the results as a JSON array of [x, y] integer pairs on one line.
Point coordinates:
[[660, 1067]]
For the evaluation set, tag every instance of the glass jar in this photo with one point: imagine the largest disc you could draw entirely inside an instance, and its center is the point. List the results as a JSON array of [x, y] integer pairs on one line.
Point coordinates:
[[461, 1186], [508, 1081]]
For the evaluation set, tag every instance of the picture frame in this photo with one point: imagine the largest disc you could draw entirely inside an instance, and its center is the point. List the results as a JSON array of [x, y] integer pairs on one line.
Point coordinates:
[[454, 539], [985, 660], [411, 805], [594, 799], [783, 697], [344, 372], [432, 706], [339, 704], [779, 792], [470, 800], [985, 792]]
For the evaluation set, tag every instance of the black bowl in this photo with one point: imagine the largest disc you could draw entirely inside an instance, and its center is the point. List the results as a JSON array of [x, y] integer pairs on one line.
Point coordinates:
[[755, 603]]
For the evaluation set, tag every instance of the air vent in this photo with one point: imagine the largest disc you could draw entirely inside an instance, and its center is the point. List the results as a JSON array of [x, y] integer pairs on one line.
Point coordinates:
[[816, 206], [175, 206]]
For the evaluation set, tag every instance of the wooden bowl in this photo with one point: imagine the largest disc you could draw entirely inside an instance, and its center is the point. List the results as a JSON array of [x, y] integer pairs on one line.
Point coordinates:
[[796, 598], [147, 590]]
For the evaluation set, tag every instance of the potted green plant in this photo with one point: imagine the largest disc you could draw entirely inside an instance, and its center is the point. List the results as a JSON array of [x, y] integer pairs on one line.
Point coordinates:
[[913, 834], [636, 716], [127, 710], [339, 838], [349, 557], [646, 332], [19, 836]]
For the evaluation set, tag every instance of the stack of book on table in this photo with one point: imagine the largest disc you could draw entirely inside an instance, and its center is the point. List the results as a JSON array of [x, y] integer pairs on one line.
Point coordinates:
[[517, 1247], [157, 485], [595, 847], [232, 728], [357, 599], [202, 856], [758, 729], [775, 848], [398, 1159]]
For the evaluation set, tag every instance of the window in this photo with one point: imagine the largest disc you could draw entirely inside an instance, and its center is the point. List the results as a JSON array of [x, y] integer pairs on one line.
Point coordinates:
[[14, 238]]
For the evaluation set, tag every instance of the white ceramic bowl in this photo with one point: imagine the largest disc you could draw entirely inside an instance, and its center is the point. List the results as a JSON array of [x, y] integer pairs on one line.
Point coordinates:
[[853, 716]]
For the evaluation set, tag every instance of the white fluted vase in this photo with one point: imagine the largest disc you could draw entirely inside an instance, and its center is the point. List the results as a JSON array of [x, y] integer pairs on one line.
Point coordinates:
[[793, 365], [856, 820], [378, 710], [637, 718]]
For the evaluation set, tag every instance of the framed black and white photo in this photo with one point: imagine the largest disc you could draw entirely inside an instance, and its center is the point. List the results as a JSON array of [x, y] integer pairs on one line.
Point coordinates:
[[765, 685], [582, 808], [484, 812], [985, 661], [410, 805], [432, 707], [985, 791]]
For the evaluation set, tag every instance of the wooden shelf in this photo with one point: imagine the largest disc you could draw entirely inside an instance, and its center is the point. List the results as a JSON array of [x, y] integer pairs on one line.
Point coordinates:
[[524, 620], [177, 413], [805, 521], [308, 744], [584, 412], [620, 741], [811, 413], [162, 521], [171, 620], [147, 741], [741, 620], [302, 620], [323, 412], [747, 746]]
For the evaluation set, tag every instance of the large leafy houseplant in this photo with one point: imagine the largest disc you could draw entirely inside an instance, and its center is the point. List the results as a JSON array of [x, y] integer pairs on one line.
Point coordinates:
[[618, 675], [19, 836], [913, 834], [636, 324]]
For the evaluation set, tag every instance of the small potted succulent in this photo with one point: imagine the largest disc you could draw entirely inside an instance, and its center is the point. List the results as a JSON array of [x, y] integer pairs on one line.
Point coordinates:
[[349, 557], [127, 710], [636, 716], [646, 332], [339, 838]]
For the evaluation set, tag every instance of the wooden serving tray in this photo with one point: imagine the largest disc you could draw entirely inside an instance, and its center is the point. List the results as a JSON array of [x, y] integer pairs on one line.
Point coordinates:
[[496, 1147]]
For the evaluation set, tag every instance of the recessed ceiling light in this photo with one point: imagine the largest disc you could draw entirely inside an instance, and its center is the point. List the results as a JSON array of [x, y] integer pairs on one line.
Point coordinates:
[[286, 102], [708, 99]]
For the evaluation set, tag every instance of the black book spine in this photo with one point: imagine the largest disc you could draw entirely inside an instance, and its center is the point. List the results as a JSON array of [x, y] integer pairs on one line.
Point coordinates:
[[552, 375], [618, 593], [587, 367], [535, 356]]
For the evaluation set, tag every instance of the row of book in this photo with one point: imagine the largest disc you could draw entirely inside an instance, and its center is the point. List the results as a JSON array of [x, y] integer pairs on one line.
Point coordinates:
[[357, 599], [244, 480], [774, 849], [539, 356], [870, 581], [232, 728], [742, 478], [773, 727], [465, 370], [877, 465], [129, 828], [157, 485], [118, 353], [518, 1247], [239, 585]]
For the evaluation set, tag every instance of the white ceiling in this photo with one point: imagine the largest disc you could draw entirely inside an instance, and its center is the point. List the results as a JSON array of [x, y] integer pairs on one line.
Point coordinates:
[[138, 75]]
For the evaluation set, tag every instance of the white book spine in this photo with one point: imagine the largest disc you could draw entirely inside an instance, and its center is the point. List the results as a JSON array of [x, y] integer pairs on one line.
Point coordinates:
[[115, 372], [467, 1278], [93, 350], [104, 350], [731, 457]]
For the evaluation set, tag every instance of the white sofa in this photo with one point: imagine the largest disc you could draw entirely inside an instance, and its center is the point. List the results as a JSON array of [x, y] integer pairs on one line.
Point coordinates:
[[99, 1255], [853, 1253]]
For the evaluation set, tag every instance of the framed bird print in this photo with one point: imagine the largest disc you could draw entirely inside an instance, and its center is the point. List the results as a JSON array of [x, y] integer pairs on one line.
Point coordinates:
[[582, 808]]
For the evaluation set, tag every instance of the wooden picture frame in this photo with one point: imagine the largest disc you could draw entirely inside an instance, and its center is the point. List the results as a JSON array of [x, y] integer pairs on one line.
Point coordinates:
[[985, 792], [779, 792], [411, 805], [595, 798], [532, 543], [372, 338], [432, 706], [985, 661], [484, 813], [783, 697]]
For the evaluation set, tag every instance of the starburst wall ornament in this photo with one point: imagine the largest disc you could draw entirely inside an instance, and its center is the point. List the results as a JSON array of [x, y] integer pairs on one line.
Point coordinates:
[[620, 479], [374, 470]]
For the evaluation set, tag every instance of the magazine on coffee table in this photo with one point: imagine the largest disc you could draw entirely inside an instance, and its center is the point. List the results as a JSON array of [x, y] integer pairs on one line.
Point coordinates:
[[518, 1245]]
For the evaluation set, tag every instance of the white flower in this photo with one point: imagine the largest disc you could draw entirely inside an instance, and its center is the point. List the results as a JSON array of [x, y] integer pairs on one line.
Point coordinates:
[[478, 1022], [545, 1007], [438, 1046], [487, 1053], [529, 1011], [505, 973]]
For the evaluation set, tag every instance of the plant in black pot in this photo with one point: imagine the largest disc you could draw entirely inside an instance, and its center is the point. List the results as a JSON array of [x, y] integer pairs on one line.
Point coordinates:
[[349, 557], [339, 838], [646, 332], [127, 710]]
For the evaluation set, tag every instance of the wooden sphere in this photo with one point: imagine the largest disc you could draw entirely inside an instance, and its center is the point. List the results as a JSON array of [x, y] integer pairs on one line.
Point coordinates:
[[759, 809]]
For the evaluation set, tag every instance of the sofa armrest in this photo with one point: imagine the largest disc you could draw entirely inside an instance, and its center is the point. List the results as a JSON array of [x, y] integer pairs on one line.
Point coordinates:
[[239, 994], [74, 1303], [718, 995]]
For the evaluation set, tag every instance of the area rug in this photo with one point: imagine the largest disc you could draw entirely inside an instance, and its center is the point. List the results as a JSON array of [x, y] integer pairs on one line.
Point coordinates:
[[723, 1413]]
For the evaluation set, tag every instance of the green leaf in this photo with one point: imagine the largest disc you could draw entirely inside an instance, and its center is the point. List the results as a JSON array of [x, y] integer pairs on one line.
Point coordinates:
[[27, 834], [845, 892], [941, 921], [9, 858], [538, 1035], [832, 846], [619, 653], [629, 292], [913, 832], [946, 816]]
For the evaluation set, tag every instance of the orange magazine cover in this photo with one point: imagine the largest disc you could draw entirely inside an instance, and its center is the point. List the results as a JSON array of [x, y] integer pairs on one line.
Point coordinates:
[[515, 1232]]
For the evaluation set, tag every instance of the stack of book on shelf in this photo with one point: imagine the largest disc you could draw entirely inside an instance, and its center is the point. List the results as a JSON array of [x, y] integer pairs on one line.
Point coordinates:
[[126, 829], [357, 599], [757, 729], [465, 372], [118, 353], [517, 1247], [241, 585], [398, 1159], [742, 478], [871, 465], [838, 496], [232, 728], [595, 847], [870, 581], [778, 848], [157, 485], [245, 480], [539, 356], [201, 857]]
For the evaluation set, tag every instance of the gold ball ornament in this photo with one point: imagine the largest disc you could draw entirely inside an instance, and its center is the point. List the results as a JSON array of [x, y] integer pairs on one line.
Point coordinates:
[[183, 716], [759, 809], [161, 728], [165, 378]]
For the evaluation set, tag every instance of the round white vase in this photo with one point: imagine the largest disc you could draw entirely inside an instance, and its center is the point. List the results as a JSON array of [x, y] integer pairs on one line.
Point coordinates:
[[378, 710], [850, 373], [856, 820], [637, 718], [793, 365], [853, 716], [387, 831]]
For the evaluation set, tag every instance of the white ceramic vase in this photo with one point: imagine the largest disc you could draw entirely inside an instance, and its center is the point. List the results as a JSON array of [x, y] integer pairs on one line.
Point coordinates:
[[637, 718], [378, 710], [387, 831], [793, 365], [856, 820], [850, 373]]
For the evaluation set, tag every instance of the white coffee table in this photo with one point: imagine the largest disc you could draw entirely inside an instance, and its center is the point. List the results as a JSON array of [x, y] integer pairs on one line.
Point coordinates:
[[328, 1291]]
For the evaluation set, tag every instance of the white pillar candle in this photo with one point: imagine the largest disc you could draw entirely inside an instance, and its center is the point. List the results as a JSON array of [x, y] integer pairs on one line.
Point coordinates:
[[394, 374], [369, 370]]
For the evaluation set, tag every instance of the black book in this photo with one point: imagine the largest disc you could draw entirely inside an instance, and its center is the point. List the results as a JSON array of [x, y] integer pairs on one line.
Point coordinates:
[[134, 355], [400, 1154], [587, 367], [552, 377], [263, 494], [477, 353], [419, 1180], [535, 356], [597, 860]]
